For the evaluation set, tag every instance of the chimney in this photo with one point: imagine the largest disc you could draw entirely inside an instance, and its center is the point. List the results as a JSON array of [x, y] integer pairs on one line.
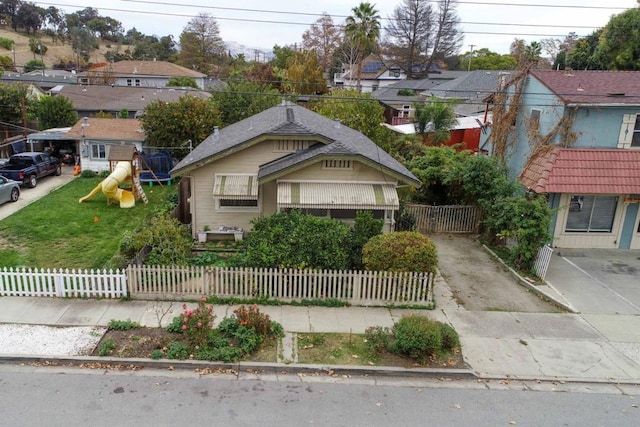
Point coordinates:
[[336, 123], [216, 132]]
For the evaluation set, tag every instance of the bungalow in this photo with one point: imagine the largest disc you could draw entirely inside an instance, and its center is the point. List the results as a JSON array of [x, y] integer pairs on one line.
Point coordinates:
[[288, 157]]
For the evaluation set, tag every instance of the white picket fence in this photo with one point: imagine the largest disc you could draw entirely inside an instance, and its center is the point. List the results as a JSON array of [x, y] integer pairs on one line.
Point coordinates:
[[362, 287], [63, 283], [543, 259], [446, 219]]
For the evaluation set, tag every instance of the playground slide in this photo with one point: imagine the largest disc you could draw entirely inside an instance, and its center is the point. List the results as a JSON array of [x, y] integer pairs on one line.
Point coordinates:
[[109, 186]]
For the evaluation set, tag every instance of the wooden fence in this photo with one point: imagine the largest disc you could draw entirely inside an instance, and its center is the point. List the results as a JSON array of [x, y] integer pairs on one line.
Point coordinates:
[[446, 219], [360, 287], [63, 283]]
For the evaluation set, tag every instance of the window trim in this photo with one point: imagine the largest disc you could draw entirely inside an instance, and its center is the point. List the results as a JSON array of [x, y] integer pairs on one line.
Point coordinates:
[[91, 153]]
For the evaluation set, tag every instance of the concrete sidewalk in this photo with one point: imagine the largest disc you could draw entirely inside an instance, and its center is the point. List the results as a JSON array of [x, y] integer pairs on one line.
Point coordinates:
[[495, 344]]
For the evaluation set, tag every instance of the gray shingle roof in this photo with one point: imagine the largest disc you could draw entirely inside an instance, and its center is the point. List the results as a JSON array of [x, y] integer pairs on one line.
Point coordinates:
[[291, 119], [472, 85]]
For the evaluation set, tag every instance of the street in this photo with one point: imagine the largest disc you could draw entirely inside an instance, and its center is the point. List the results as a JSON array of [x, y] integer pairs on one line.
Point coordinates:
[[64, 396]]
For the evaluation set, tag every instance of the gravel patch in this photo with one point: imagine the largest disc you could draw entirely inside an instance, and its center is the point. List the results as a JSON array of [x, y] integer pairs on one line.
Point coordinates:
[[38, 340]]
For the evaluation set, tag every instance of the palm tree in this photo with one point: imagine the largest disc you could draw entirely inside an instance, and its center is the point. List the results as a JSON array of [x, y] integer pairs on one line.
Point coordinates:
[[434, 121], [363, 28]]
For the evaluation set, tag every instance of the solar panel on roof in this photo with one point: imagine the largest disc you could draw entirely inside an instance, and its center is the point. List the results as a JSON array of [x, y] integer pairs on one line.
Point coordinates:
[[371, 67]]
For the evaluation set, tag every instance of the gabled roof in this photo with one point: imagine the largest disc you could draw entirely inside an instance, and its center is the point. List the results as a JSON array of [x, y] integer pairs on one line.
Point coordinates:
[[389, 94], [583, 171], [108, 129], [146, 68], [116, 98], [592, 87], [474, 84], [291, 119]]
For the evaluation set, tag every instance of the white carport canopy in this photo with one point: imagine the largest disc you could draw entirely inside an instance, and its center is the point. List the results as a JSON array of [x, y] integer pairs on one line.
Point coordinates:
[[337, 195]]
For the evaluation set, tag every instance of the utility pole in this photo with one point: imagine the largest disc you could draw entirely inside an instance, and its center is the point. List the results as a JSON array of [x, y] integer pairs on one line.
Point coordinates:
[[470, 55]]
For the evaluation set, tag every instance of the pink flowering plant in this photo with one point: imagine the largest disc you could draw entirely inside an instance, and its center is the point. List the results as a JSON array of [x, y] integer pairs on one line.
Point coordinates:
[[195, 324]]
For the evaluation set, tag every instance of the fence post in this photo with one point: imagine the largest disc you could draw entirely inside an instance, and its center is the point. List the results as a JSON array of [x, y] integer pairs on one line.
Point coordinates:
[[58, 282]]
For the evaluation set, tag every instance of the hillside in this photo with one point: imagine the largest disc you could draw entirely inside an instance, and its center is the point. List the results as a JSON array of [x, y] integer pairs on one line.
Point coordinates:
[[55, 53]]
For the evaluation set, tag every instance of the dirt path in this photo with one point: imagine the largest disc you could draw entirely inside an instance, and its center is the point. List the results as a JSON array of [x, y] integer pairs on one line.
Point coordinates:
[[478, 282]]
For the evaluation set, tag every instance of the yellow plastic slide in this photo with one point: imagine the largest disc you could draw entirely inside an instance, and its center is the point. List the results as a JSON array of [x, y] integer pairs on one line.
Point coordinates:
[[110, 189]]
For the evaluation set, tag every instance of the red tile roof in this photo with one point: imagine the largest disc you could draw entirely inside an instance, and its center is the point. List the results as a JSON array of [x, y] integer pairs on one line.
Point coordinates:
[[592, 87], [583, 170]]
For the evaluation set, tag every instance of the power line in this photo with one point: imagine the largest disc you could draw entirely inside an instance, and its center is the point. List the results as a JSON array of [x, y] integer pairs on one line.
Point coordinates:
[[308, 24]]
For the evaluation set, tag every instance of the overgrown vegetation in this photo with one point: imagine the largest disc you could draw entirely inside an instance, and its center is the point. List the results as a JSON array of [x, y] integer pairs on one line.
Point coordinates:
[[415, 336], [451, 177], [235, 337]]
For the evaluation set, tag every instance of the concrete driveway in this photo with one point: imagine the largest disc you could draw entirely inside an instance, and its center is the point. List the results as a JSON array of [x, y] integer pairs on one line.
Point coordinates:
[[598, 281], [29, 195]]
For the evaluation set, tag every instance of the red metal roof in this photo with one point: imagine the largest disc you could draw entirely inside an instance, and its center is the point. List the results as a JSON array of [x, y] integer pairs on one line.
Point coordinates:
[[583, 170], [592, 87]]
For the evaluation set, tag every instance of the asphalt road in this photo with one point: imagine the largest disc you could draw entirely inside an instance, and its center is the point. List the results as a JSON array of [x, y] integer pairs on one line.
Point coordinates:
[[69, 396]]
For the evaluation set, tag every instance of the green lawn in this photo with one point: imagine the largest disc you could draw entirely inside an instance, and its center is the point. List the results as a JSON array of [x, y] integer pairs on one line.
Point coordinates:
[[59, 232]]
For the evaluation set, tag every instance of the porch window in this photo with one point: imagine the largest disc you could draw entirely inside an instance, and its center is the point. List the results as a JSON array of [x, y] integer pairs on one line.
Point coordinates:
[[98, 151], [591, 214]]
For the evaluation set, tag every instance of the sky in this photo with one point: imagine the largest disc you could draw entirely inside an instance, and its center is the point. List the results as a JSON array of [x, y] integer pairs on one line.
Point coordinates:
[[262, 24]]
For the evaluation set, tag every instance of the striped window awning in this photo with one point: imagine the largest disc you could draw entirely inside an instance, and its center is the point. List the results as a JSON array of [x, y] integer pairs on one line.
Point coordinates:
[[323, 195], [236, 187]]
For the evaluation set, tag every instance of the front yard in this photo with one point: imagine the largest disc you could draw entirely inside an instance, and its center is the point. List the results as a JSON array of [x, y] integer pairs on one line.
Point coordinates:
[[59, 232]]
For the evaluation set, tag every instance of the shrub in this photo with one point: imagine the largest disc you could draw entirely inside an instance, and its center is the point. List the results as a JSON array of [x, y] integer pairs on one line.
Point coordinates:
[[104, 173], [228, 326], [251, 318], [400, 251], [365, 227], [248, 339], [294, 240], [123, 325], [222, 354], [377, 338], [157, 354], [106, 347], [88, 173], [450, 338], [6, 43], [417, 337], [178, 350], [34, 64], [196, 324]]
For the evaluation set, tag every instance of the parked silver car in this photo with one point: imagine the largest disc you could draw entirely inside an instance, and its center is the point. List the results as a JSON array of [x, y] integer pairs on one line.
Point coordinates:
[[9, 190]]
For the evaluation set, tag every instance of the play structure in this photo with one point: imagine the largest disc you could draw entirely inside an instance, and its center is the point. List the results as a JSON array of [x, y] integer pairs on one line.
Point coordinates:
[[124, 164], [156, 168]]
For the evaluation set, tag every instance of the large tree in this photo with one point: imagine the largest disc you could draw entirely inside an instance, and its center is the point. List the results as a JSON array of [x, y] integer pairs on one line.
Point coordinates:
[[419, 33], [322, 38], [581, 55], [54, 112], [176, 125], [363, 29], [619, 44], [242, 99], [201, 44], [304, 75], [358, 111], [484, 59]]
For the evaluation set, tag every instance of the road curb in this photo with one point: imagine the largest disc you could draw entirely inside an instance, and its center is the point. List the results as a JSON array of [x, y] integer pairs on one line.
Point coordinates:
[[249, 367]]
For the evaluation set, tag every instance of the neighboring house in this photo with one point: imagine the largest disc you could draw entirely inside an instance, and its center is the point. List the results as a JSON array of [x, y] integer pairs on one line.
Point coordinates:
[[91, 100], [375, 73], [94, 138], [465, 134], [139, 74], [288, 157], [468, 90], [45, 82], [577, 139]]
